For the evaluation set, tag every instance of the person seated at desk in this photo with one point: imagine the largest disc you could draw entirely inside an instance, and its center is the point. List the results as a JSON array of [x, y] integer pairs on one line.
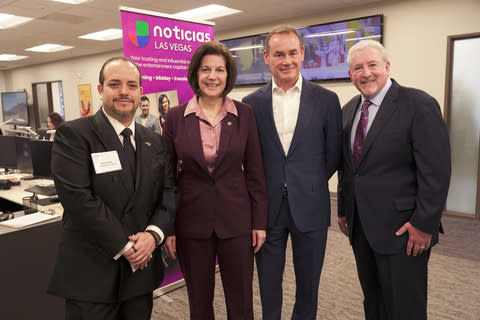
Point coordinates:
[[54, 119], [145, 118]]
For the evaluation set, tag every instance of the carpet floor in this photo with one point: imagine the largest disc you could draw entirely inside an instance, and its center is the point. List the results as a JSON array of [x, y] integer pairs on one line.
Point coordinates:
[[454, 280]]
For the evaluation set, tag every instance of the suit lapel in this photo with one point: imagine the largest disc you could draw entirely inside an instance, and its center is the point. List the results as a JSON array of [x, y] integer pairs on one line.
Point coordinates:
[[107, 136], [143, 160], [385, 112], [192, 128], [228, 123], [350, 112], [304, 116], [267, 110], [150, 121]]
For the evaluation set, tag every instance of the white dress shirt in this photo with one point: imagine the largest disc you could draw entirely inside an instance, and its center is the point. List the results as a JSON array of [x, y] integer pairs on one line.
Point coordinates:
[[285, 111]]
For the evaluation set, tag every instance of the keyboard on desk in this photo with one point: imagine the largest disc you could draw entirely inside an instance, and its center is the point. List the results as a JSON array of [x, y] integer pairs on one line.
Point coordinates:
[[48, 190]]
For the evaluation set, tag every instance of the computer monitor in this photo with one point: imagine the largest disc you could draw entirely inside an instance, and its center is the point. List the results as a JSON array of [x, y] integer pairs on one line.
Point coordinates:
[[8, 156], [15, 107], [24, 154], [42, 134], [41, 158]]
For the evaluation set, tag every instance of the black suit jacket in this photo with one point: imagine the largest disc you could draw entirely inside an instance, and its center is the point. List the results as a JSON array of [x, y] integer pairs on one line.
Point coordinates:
[[313, 157], [102, 210], [404, 169]]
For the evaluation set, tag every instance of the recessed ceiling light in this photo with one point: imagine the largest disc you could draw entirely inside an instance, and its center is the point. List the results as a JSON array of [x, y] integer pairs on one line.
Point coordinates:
[[11, 57], [49, 47], [109, 34], [207, 12], [71, 1], [9, 20]]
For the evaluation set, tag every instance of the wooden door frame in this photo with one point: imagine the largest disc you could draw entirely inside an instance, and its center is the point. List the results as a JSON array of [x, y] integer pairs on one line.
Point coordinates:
[[448, 111], [35, 99]]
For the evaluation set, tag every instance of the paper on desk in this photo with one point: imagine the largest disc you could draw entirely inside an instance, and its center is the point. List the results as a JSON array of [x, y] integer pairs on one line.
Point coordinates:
[[27, 220]]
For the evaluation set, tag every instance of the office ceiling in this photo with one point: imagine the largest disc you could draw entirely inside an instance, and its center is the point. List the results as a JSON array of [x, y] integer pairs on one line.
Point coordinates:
[[62, 23]]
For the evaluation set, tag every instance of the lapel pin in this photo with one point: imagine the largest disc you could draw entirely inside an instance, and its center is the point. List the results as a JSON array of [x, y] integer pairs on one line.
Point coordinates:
[[229, 123], [148, 143]]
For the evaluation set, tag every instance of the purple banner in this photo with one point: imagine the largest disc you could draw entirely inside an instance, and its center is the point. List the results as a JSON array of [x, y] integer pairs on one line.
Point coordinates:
[[162, 47]]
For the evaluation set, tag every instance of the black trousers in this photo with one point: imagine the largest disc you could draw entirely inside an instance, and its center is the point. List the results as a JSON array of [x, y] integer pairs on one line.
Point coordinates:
[[138, 308], [394, 286]]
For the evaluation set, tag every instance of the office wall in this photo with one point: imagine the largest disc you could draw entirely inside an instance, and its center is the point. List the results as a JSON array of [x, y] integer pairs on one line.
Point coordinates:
[[415, 35], [71, 72], [2, 82]]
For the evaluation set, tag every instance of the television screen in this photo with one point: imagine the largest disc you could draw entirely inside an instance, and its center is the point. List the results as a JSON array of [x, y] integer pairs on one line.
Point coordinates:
[[24, 154], [41, 158], [326, 48], [248, 55], [8, 156], [15, 107]]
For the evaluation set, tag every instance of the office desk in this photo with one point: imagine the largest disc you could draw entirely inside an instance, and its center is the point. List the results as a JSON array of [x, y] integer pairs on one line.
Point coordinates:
[[27, 259]]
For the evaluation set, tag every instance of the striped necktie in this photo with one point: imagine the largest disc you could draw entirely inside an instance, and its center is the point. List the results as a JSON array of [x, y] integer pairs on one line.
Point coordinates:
[[361, 132]]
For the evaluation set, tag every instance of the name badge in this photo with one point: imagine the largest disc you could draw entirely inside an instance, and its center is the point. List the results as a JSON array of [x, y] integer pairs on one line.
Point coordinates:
[[104, 162]]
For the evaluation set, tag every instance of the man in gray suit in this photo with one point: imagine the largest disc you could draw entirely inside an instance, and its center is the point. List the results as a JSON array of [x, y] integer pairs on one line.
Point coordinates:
[[145, 118], [393, 185], [299, 125], [117, 188]]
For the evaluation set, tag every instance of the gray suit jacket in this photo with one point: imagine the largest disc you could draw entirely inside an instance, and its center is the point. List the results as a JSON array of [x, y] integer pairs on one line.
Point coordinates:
[[404, 169], [152, 122], [313, 157], [102, 210]]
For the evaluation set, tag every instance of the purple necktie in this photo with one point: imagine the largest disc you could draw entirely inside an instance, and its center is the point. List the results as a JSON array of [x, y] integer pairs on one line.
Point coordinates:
[[360, 132]]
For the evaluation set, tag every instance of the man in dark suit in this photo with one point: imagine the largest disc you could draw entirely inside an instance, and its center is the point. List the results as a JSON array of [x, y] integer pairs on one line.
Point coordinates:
[[147, 119], [117, 189], [299, 125], [392, 185]]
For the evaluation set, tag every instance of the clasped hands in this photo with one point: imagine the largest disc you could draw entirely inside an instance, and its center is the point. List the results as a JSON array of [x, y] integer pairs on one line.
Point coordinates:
[[418, 241], [140, 253]]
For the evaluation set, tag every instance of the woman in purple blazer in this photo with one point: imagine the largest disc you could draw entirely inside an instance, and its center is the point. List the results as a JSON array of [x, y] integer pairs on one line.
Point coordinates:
[[214, 146]]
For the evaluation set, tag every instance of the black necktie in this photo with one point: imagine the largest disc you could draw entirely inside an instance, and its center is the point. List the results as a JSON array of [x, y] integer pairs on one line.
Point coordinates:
[[129, 151]]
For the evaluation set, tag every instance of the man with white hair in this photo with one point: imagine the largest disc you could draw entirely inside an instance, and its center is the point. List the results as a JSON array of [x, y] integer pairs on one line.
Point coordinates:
[[393, 185]]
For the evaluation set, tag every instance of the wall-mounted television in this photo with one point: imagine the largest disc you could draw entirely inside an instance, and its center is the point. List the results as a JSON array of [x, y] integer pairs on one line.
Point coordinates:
[[326, 48], [248, 54], [15, 107]]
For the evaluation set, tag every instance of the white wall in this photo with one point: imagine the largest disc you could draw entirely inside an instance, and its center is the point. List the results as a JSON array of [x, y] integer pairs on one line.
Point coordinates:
[[415, 34], [2, 89], [2, 81], [71, 72]]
